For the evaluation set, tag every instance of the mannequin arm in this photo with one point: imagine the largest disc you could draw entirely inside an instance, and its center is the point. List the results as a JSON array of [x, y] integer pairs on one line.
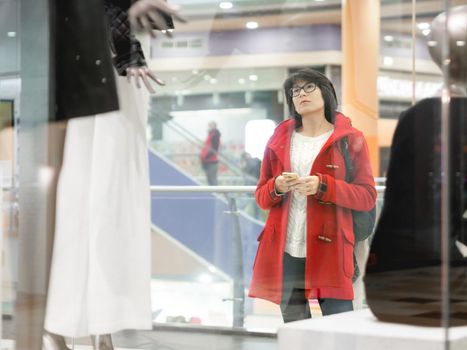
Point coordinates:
[[128, 55], [150, 15]]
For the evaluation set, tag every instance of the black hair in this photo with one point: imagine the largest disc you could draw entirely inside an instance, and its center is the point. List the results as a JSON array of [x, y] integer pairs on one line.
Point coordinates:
[[324, 84]]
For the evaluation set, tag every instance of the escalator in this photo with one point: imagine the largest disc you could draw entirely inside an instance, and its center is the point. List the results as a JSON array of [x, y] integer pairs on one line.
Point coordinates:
[[201, 222]]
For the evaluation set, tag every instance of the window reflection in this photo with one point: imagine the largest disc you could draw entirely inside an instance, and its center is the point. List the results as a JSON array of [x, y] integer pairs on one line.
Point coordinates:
[[226, 65]]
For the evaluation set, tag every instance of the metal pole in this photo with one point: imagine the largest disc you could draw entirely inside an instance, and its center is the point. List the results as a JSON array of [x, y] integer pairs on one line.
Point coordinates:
[[237, 258]]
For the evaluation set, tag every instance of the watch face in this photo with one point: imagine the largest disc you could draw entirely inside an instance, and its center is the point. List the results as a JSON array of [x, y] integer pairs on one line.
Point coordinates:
[[323, 187]]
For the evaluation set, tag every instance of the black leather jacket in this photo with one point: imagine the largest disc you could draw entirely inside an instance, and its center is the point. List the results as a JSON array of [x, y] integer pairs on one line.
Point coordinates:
[[126, 49], [83, 78]]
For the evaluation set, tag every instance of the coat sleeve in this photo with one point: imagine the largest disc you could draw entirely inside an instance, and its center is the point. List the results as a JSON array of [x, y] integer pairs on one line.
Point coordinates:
[[361, 193], [126, 49], [265, 193]]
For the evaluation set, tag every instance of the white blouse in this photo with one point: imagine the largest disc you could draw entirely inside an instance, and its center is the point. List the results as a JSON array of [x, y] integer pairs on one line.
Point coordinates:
[[303, 152]]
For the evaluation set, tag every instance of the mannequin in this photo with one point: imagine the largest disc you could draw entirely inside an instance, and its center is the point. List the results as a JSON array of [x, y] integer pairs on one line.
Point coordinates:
[[403, 278], [457, 33], [100, 271]]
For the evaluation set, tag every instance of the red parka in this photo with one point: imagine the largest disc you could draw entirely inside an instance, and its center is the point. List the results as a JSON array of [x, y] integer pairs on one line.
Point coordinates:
[[209, 152], [329, 262]]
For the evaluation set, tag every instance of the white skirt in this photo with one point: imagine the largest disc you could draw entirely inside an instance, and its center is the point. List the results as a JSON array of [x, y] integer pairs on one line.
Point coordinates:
[[100, 273]]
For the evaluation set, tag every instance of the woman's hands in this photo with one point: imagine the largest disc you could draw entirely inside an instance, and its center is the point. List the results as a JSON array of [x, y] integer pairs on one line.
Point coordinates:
[[285, 184], [308, 185], [305, 186], [144, 74]]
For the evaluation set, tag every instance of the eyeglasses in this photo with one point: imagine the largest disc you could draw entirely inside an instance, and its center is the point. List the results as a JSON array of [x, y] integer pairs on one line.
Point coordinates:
[[308, 88]]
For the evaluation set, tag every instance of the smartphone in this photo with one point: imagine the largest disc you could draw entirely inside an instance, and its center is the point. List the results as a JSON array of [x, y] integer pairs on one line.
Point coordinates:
[[290, 176]]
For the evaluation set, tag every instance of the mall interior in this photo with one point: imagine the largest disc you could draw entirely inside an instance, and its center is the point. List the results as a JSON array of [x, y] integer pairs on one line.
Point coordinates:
[[224, 63]]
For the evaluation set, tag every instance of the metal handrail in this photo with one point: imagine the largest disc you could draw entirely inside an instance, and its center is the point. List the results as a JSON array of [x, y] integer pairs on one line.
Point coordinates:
[[210, 189], [218, 189]]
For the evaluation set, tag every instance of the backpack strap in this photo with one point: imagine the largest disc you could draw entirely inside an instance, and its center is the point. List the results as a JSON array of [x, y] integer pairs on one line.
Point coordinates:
[[344, 146]]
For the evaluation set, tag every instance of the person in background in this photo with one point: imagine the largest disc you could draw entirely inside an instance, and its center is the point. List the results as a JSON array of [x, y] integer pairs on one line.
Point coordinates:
[[251, 168], [306, 248], [210, 154]]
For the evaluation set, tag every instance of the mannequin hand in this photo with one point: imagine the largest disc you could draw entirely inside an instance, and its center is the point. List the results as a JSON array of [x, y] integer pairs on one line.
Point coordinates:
[[307, 186], [283, 185], [144, 74], [145, 15]]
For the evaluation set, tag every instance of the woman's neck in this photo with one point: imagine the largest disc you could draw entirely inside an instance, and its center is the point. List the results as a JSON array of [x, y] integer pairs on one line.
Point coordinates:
[[314, 126]]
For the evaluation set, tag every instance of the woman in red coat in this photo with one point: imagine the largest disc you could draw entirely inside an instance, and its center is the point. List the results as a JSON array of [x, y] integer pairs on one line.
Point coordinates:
[[306, 248]]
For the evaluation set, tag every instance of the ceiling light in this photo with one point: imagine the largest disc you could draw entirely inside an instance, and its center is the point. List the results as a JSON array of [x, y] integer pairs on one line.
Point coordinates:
[[195, 71], [213, 81], [11, 34], [423, 25], [252, 25], [432, 43], [388, 61], [253, 77], [388, 38], [460, 43], [426, 31], [225, 5], [241, 81], [207, 77]]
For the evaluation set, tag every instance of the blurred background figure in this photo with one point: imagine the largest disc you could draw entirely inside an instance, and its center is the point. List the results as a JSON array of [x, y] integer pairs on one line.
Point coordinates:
[[251, 168], [210, 154]]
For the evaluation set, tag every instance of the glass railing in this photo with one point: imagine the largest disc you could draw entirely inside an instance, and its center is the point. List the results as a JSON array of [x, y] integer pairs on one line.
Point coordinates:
[[203, 258]]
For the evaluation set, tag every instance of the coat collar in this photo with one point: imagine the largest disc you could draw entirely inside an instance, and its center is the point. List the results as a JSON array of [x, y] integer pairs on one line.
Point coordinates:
[[280, 141]]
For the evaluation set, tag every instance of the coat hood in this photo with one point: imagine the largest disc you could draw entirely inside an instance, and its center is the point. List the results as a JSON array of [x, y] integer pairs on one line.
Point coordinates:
[[283, 132]]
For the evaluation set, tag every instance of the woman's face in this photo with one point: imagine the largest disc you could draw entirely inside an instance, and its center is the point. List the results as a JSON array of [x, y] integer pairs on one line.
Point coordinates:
[[307, 98]]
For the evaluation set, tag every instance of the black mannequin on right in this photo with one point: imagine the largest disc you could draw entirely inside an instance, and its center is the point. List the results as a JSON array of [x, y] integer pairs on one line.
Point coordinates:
[[403, 279]]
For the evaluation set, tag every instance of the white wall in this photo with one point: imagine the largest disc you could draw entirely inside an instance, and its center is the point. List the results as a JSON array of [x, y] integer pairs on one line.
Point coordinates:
[[230, 122]]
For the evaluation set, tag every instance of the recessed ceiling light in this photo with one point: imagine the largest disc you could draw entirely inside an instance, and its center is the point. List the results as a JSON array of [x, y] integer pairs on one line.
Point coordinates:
[[11, 34], [241, 81], [426, 31], [388, 38], [432, 43], [252, 25], [319, 0], [423, 25], [460, 43], [388, 61], [253, 77], [207, 77], [225, 5], [213, 81]]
